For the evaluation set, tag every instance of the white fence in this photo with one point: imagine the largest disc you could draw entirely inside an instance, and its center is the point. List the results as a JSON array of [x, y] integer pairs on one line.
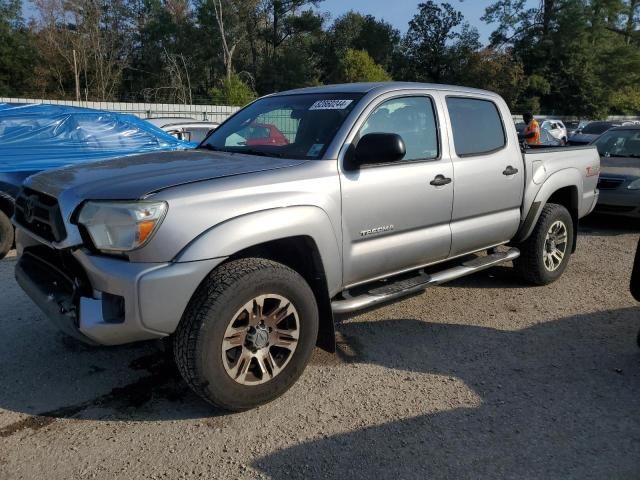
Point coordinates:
[[216, 113]]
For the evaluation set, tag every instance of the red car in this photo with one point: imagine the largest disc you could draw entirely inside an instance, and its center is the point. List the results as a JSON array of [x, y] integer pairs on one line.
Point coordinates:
[[266, 134]]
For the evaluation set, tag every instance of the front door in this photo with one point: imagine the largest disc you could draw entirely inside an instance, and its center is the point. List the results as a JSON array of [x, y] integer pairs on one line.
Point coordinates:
[[393, 217]]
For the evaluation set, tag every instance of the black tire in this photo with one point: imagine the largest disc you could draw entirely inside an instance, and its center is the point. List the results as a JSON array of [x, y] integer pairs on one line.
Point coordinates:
[[530, 265], [198, 340], [6, 235]]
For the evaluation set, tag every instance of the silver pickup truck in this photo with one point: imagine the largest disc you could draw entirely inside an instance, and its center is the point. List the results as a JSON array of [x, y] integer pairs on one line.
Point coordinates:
[[302, 205]]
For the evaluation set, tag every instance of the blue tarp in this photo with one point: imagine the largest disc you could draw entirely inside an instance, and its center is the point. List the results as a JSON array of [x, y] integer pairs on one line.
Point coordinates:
[[38, 137]]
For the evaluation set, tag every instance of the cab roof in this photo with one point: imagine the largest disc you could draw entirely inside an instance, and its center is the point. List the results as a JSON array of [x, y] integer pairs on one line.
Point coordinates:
[[383, 87]]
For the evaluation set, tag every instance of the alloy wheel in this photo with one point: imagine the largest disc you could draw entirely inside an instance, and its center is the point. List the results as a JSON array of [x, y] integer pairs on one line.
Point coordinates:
[[555, 246], [261, 339]]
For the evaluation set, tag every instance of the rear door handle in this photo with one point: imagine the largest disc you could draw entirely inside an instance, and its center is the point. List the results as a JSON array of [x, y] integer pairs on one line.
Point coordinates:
[[510, 171], [440, 180]]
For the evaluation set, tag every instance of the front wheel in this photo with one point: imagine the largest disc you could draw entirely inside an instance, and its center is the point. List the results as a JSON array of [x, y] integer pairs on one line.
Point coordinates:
[[247, 333], [545, 254]]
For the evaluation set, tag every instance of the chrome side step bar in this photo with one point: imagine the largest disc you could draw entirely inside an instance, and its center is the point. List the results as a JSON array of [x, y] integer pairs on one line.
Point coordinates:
[[421, 281]]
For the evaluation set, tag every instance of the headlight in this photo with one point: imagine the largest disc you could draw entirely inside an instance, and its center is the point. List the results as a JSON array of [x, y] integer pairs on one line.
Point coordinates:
[[635, 185], [121, 226]]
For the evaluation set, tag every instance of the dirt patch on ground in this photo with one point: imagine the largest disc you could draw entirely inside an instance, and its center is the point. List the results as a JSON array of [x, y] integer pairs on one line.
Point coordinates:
[[484, 377]]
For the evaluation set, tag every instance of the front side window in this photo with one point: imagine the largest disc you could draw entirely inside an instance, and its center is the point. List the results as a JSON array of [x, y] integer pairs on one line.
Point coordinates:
[[477, 126], [288, 126], [413, 118]]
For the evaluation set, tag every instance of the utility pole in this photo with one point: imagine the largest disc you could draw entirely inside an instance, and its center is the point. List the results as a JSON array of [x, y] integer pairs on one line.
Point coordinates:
[[76, 76]]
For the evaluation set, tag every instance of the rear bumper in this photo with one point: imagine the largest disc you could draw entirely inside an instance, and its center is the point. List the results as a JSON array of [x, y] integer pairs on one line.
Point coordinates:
[[109, 301]]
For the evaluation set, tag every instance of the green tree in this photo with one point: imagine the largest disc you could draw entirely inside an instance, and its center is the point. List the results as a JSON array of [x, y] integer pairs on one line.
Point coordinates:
[[426, 46], [495, 70], [164, 63], [232, 91], [581, 57], [358, 32], [292, 38], [358, 66], [17, 51]]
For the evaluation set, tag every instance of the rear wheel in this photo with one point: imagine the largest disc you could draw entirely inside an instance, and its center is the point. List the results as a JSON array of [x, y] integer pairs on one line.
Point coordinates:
[[545, 254], [247, 334], [6, 234]]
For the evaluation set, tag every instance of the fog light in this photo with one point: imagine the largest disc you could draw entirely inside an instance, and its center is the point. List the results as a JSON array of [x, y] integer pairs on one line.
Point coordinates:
[[112, 308]]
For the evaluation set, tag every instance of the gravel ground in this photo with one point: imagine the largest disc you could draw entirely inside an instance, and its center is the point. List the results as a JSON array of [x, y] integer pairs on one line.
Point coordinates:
[[482, 378]]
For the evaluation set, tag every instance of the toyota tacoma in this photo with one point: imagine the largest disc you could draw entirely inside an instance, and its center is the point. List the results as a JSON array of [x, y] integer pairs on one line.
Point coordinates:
[[241, 251]]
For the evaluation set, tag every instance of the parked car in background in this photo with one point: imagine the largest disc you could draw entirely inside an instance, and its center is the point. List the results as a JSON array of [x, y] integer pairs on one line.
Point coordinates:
[[186, 129], [546, 139], [590, 132], [37, 137], [258, 134], [575, 126], [619, 181], [556, 129]]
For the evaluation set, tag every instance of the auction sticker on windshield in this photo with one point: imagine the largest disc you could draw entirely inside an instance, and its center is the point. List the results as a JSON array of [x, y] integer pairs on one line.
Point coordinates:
[[330, 105]]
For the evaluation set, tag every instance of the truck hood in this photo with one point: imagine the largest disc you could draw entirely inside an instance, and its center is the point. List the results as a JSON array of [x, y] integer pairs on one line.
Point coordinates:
[[136, 177]]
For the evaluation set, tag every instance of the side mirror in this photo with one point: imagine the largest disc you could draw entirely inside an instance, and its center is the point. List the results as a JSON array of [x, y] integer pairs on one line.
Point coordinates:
[[376, 148]]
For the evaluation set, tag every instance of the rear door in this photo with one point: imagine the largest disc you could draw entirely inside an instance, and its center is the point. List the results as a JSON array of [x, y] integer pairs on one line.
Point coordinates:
[[393, 218], [489, 173]]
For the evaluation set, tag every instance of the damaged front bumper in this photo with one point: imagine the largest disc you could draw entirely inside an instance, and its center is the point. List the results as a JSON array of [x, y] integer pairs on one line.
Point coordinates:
[[106, 300]]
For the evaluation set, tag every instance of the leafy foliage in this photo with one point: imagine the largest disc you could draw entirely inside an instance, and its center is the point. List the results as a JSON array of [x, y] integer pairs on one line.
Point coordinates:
[[579, 57], [17, 52], [232, 91], [358, 66]]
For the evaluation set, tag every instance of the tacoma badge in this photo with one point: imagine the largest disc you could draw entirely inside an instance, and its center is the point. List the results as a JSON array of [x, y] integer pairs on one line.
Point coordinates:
[[373, 231]]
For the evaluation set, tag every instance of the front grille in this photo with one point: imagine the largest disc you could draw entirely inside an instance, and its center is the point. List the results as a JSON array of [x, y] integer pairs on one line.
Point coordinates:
[[63, 262], [607, 183], [40, 214]]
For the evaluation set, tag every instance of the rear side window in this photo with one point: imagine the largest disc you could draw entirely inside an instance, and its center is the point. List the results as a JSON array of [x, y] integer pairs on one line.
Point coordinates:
[[477, 126]]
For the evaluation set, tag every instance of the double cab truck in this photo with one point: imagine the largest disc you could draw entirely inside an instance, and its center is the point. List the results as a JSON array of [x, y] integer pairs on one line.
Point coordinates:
[[241, 251]]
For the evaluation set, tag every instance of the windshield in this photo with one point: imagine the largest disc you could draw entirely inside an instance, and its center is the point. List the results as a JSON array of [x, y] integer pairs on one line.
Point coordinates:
[[596, 128], [619, 143], [289, 126]]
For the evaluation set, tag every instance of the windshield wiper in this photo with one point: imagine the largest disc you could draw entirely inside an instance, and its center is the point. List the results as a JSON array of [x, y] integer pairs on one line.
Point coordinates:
[[246, 151], [261, 153]]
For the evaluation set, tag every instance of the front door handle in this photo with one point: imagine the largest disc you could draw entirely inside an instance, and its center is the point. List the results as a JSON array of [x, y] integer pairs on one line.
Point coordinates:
[[510, 171], [440, 180]]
